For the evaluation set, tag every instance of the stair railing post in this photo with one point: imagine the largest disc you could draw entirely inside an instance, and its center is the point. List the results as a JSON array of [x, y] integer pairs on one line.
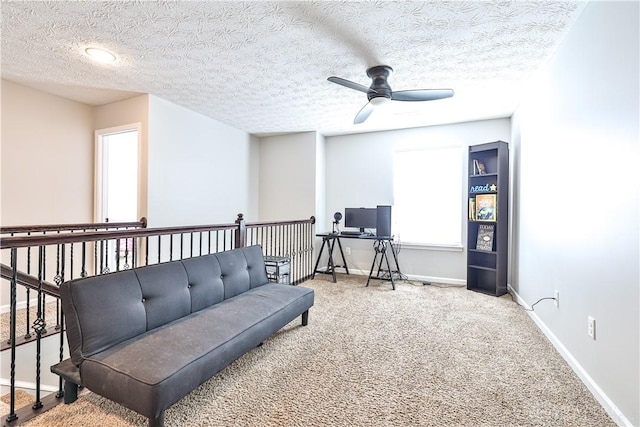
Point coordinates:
[[60, 392], [241, 233], [14, 282], [39, 324]]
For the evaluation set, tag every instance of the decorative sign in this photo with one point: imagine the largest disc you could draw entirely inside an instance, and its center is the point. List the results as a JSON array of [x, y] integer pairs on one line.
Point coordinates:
[[485, 238], [486, 207], [486, 188]]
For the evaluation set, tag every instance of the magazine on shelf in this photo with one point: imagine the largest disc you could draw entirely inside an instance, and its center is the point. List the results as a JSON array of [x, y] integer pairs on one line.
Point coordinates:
[[485, 237], [486, 207]]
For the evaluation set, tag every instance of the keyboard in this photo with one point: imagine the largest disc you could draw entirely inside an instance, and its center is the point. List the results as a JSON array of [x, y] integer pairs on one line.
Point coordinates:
[[351, 233]]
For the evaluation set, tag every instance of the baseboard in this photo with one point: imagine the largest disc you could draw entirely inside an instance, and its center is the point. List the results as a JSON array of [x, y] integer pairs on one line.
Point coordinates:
[[20, 305], [612, 410], [417, 278], [434, 279], [25, 385]]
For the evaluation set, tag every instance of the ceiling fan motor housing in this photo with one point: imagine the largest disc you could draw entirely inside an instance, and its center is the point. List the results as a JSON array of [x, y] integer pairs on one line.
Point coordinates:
[[379, 86]]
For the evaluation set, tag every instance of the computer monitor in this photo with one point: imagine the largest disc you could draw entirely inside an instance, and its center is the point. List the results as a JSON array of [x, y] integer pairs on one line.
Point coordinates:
[[360, 218]]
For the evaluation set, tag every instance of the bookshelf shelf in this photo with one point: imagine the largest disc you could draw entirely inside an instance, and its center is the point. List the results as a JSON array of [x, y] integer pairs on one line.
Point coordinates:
[[487, 227], [480, 267], [484, 175]]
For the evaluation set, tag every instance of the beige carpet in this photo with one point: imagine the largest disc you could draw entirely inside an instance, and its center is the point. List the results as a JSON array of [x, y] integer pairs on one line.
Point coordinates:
[[22, 398], [21, 320], [417, 356]]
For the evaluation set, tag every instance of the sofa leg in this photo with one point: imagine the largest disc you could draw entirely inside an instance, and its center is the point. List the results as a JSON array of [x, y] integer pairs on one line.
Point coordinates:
[[70, 392], [70, 374], [305, 318], [157, 422]]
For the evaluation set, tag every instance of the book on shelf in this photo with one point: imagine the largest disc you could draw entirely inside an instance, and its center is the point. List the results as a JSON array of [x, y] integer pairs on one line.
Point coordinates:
[[485, 237], [472, 208], [486, 207], [478, 167]]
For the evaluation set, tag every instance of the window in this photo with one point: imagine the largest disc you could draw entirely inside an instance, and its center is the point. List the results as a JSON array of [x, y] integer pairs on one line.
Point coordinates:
[[427, 192]]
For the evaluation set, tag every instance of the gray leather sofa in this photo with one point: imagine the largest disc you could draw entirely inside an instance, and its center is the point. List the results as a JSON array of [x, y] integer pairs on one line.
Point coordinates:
[[147, 337]]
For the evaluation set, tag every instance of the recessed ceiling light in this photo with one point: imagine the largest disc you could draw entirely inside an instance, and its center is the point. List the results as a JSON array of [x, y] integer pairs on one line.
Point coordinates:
[[100, 55]]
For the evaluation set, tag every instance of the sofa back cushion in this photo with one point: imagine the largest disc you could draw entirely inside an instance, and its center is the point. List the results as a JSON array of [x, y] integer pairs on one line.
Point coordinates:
[[102, 311], [234, 273], [205, 283], [255, 266], [165, 292]]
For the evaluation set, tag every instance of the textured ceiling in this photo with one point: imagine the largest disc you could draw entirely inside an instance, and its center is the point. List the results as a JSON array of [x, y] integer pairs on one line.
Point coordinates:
[[262, 66]]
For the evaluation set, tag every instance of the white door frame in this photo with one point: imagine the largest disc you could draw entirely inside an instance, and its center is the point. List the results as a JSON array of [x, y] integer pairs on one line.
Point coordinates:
[[98, 199]]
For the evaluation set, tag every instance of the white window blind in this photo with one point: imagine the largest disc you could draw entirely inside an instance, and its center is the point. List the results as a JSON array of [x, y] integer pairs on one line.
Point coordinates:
[[427, 187]]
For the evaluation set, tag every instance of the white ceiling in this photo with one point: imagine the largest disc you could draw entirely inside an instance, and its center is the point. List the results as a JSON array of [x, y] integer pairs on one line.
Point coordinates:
[[262, 66]]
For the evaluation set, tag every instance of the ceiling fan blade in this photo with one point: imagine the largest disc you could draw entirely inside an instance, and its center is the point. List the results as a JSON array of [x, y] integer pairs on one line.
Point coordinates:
[[364, 113], [421, 94], [350, 84]]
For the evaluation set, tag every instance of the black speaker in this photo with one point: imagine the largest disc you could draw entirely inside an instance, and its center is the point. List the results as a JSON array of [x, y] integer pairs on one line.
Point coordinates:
[[383, 221]]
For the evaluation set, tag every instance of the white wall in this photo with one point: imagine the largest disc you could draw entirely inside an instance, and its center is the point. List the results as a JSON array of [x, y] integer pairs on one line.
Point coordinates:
[[321, 181], [576, 225], [47, 158], [288, 176], [359, 173], [46, 178], [200, 170], [253, 211], [47, 165], [25, 365]]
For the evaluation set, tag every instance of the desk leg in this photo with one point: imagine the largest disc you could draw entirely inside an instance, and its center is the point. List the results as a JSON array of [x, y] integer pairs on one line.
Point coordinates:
[[383, 251], [330, 263], [315, 269], [344, 260], [373, 265], [386, 258], [395, 257]]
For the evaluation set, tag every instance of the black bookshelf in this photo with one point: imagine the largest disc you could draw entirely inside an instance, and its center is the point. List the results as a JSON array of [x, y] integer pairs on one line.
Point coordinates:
[[488, 218]]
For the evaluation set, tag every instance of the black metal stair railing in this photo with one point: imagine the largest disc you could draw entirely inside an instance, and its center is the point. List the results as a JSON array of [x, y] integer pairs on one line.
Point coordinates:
[[60, 253], [30, 282], [23, 282], [291, 239]]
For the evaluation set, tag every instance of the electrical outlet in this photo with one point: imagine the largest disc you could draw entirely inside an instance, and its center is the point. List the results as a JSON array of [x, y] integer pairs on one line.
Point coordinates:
[[556, 296], [347, 250], [591, 328]]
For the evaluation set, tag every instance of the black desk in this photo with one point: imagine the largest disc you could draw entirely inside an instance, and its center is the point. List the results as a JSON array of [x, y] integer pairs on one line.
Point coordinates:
[[381, 246]]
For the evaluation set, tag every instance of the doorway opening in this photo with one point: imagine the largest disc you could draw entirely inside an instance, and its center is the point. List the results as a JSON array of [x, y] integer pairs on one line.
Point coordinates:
[[117, 187]]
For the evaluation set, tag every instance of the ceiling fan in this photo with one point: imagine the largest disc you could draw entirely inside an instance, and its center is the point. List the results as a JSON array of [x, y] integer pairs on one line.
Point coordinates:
[[380, 92]]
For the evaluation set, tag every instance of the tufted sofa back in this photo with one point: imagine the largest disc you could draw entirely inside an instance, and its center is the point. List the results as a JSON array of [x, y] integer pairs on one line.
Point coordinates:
[[102, 311]]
